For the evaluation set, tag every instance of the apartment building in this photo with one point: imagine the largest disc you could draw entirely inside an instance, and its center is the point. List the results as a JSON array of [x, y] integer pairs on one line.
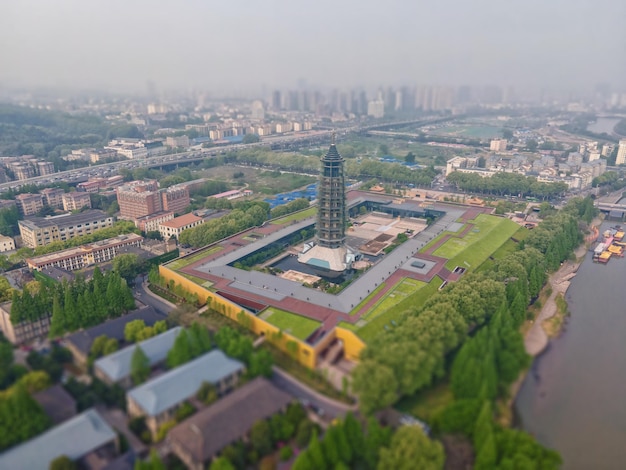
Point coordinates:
[[138, 199], [53, 197], [179, 141], [621, 153], [24, 331], [38, 231], [76, 200], [142, 198], [82, 256], [29, 204], [498, 145]]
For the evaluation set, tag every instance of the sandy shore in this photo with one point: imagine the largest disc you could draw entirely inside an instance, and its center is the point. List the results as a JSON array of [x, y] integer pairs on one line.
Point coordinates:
[[536, 339]]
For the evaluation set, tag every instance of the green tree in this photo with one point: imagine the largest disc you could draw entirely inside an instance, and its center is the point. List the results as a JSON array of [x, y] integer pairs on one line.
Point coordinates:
[[128, 266], [110, 347], [153, 463], [411, 449], [207, 393], [139, 366], [410, 158], [221, 463], [63, 462], [132, 329], [261, 437]]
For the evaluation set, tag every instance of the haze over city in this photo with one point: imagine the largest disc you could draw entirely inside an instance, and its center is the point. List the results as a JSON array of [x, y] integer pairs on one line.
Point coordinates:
[[234, 46]]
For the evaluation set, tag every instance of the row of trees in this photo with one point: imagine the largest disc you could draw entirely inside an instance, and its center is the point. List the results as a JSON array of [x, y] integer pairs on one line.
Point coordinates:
[[21, 417], [235, 344], [217, 229], [293, 206], [502, 183], [411, 356], [189, 344], [74, 305]]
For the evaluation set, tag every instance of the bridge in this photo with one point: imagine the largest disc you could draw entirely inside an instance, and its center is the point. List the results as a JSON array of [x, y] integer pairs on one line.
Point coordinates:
[[614, 210]]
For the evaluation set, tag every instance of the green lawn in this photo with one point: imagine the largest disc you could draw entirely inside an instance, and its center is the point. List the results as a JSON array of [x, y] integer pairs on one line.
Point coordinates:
[[187, 260], [397, 294], [296, 325], [377, 324], [296, 216], [488, 234]]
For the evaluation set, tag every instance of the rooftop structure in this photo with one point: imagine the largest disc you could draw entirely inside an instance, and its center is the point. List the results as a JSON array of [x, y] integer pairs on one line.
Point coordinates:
[[57, 403], [172, 388], [116, 367], [174, 227], [200, 437], [74, 438]]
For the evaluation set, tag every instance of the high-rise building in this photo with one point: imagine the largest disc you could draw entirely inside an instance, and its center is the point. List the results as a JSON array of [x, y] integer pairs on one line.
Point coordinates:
[[621, 153], [29, 204], [141, 198]]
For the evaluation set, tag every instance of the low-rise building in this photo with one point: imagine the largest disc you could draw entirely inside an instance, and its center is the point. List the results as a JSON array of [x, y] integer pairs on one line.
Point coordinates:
[[6, 243], [18, 333], [159, 398], [82, 256], [179, 141], [76, 200], [116, 367], [174, 227], [29, 204], [56, 403], [39, 231], [198, 439], [76, 438], [151, 223]]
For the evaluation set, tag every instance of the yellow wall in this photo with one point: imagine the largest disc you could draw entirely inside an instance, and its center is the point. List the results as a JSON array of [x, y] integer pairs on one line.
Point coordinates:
[[305, 354], [352, 344]]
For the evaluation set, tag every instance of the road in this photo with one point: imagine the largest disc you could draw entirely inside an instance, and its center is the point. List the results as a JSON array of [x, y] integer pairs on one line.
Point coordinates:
[[143, 295], [332, 409]]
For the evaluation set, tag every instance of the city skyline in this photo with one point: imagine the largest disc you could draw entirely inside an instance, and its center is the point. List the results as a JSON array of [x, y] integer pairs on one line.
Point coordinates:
[[122, 46]]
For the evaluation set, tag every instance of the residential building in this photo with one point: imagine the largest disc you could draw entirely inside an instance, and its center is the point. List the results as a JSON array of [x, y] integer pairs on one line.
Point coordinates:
[[102, 154], [159, 398], [6, 244], [38, 231], [175, 198], [178, 141], [198, 439], [29, 204], [79, 343], [138, 199], [155, 148], [151, 223], [376, 109], [76, 200], [24, 331], [23, 171], [53, 197], [174, 227], [116, 367], [498, 145], [621, 153], [80, 257], [76, 438], [45, 168]]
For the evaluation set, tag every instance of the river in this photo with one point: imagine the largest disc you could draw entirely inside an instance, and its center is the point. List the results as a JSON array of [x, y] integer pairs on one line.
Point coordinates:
[[574, 398], [603, 124]]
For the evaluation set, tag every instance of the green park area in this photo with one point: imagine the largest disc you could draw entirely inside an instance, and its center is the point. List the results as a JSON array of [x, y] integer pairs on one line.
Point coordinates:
[[475, 131], [296, 325], [296, 216], [487, 235]]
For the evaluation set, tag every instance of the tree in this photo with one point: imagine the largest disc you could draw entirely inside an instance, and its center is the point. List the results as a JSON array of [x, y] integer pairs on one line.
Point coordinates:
[[251, 138], [531, 145], [221, 463], [261, 437], [139, 366], [154, 463], [376, 386], [128, 266], [207, 393], [410, 158], [132, 329], [411, 449], [110, 347], [63, 462], [97, 347]]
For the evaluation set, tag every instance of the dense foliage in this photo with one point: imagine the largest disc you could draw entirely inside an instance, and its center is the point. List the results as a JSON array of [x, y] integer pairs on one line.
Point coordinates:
[[21, 417], [213, 230], [235, 344], [74, 305], [501, 184], [411, 356], [188, 345], [8, 221]]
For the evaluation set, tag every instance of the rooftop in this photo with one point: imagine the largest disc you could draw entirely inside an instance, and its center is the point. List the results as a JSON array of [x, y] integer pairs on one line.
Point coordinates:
[[64, 220], [74, 438], [181, 221], [230, 418], [57, 403], [114, 328], [175, 386], [116, 366]]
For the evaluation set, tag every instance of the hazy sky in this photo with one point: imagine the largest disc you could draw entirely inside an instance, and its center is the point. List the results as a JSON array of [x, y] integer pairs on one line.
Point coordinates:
[[239, 44]]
